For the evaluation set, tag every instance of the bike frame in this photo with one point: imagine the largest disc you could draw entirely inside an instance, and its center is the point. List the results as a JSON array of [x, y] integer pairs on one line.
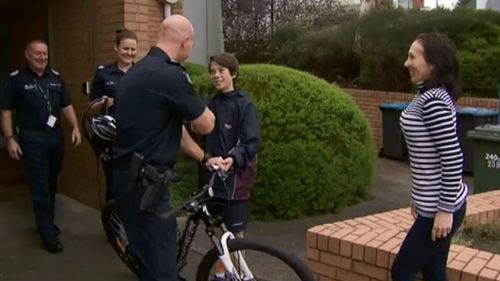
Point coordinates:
[[228, 264], [199, 212]]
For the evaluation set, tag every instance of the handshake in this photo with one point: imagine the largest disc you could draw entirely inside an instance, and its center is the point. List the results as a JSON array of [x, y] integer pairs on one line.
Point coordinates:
[[224, 163]]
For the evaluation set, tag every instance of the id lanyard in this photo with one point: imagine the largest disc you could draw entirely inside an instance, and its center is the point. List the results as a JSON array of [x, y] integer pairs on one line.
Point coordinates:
[[51, 121], [46, 97]]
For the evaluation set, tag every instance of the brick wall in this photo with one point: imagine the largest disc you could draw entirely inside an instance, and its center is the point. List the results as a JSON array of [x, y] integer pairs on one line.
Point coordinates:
[[363, 249], [16, 29], [75, 52], [156, 16], [83, 36], [369, 101]]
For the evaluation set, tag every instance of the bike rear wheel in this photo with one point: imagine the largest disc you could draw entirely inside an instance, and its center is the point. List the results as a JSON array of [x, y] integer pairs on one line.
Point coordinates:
[[265, 263], [116, 234]]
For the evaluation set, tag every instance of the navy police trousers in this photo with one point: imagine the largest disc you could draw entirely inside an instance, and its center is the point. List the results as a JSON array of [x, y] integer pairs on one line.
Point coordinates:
[[153, 238], [42, 157]]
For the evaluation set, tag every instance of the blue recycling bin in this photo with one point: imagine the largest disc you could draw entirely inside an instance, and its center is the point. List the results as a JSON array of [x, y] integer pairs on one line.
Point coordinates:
[[393, 144], [468, 118]]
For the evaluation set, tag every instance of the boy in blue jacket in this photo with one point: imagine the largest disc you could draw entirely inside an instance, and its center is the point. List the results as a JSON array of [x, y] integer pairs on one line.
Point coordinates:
[[233, 145]]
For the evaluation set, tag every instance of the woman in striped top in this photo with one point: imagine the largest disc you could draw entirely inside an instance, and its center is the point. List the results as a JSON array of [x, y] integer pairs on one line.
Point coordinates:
[[429, 124]]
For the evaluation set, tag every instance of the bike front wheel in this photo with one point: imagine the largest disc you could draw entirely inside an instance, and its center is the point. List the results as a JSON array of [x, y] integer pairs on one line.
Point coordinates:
[[117, 236], [264, 262]]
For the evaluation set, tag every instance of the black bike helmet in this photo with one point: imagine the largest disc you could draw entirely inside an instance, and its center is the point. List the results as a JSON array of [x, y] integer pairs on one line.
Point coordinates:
[[100, 131]]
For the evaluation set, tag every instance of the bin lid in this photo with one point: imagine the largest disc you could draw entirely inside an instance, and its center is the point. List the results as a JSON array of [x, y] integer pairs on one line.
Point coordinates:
[[485, 132], [477, 111], [394, 105]]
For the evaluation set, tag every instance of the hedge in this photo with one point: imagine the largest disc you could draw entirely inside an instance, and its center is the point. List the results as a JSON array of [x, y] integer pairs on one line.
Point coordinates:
[[194, 69], [316, 153], [376, 60]]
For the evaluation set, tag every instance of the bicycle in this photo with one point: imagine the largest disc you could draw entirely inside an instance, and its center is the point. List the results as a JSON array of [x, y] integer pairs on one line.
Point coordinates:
[[240, 256]]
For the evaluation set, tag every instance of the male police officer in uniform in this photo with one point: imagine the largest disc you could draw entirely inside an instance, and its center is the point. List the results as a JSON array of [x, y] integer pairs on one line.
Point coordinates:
[[37, 95], [152, 101]]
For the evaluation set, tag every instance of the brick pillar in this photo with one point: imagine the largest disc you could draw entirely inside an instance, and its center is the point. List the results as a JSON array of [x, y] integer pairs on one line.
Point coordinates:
[[83, 34], [77, 45], [144, 18], [108, 19]]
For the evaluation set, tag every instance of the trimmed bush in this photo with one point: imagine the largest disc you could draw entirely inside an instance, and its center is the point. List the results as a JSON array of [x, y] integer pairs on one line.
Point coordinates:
[[316, 153], [182, 189], [187, 183]]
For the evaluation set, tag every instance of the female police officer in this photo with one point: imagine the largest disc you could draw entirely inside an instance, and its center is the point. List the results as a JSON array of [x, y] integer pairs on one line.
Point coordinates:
[[103, 89]]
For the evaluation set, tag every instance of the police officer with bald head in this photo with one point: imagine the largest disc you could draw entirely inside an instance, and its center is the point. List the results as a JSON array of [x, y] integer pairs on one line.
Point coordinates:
[[152, 102], [38, 96]]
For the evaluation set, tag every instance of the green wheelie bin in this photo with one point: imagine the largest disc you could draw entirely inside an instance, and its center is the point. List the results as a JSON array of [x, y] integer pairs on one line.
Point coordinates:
[[486, 140]]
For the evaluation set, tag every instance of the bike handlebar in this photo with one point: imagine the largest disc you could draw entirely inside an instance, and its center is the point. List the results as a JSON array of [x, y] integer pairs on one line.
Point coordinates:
[[193, 203]]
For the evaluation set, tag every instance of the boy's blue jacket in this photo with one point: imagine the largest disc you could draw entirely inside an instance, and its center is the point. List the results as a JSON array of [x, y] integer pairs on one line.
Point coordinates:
[[236, 133]]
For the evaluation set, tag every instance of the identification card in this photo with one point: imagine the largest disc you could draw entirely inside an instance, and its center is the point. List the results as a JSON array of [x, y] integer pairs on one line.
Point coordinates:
[[51, 121]]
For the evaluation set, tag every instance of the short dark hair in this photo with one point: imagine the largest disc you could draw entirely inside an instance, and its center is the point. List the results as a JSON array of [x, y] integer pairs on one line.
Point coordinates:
[[227, 60], [440, 52], [36, 40], [122, 34]]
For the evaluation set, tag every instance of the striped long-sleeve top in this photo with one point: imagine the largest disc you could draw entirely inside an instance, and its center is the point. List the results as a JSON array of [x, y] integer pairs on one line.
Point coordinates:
[[429, 125]]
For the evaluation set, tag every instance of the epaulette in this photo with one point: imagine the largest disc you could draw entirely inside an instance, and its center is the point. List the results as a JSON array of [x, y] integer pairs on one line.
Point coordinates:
[[14, 73], [55, 72], [188, 78]]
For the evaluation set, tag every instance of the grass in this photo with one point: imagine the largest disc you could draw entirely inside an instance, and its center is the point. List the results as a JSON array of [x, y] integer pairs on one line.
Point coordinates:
[[485, 237]]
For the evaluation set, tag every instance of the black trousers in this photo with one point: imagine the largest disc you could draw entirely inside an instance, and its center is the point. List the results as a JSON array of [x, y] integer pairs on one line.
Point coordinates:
[[42, 156], [153, 238], [107, 166], [419, 253]]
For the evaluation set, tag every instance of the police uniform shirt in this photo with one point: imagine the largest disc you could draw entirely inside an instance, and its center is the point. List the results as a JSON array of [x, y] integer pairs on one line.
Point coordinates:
[[105, 81], [35, 98], [152, 101]]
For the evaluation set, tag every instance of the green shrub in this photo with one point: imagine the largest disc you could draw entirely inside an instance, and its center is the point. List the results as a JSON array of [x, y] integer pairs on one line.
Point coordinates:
[[480, 67], [327, 53], [370, 51], [187, 183], [367, 72], [386, 35], [183, 188], [194, 69], [316, 153]]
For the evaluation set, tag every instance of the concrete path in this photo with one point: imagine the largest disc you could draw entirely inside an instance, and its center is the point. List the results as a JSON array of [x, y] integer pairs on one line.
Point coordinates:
[[88, 257]]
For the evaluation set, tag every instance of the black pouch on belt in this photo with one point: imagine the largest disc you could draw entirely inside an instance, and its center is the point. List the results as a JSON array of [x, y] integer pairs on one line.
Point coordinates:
[[136, 164], [154, 184]]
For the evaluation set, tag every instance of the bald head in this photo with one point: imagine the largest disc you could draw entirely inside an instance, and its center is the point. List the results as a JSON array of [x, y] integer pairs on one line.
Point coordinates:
[[176, 37], [175, 29]]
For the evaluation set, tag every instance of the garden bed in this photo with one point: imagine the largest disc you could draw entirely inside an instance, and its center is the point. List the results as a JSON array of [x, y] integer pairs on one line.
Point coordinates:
[[485, 237]]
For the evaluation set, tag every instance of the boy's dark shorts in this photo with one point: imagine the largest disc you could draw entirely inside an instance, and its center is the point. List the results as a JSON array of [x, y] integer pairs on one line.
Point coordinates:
[[235, 213]]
